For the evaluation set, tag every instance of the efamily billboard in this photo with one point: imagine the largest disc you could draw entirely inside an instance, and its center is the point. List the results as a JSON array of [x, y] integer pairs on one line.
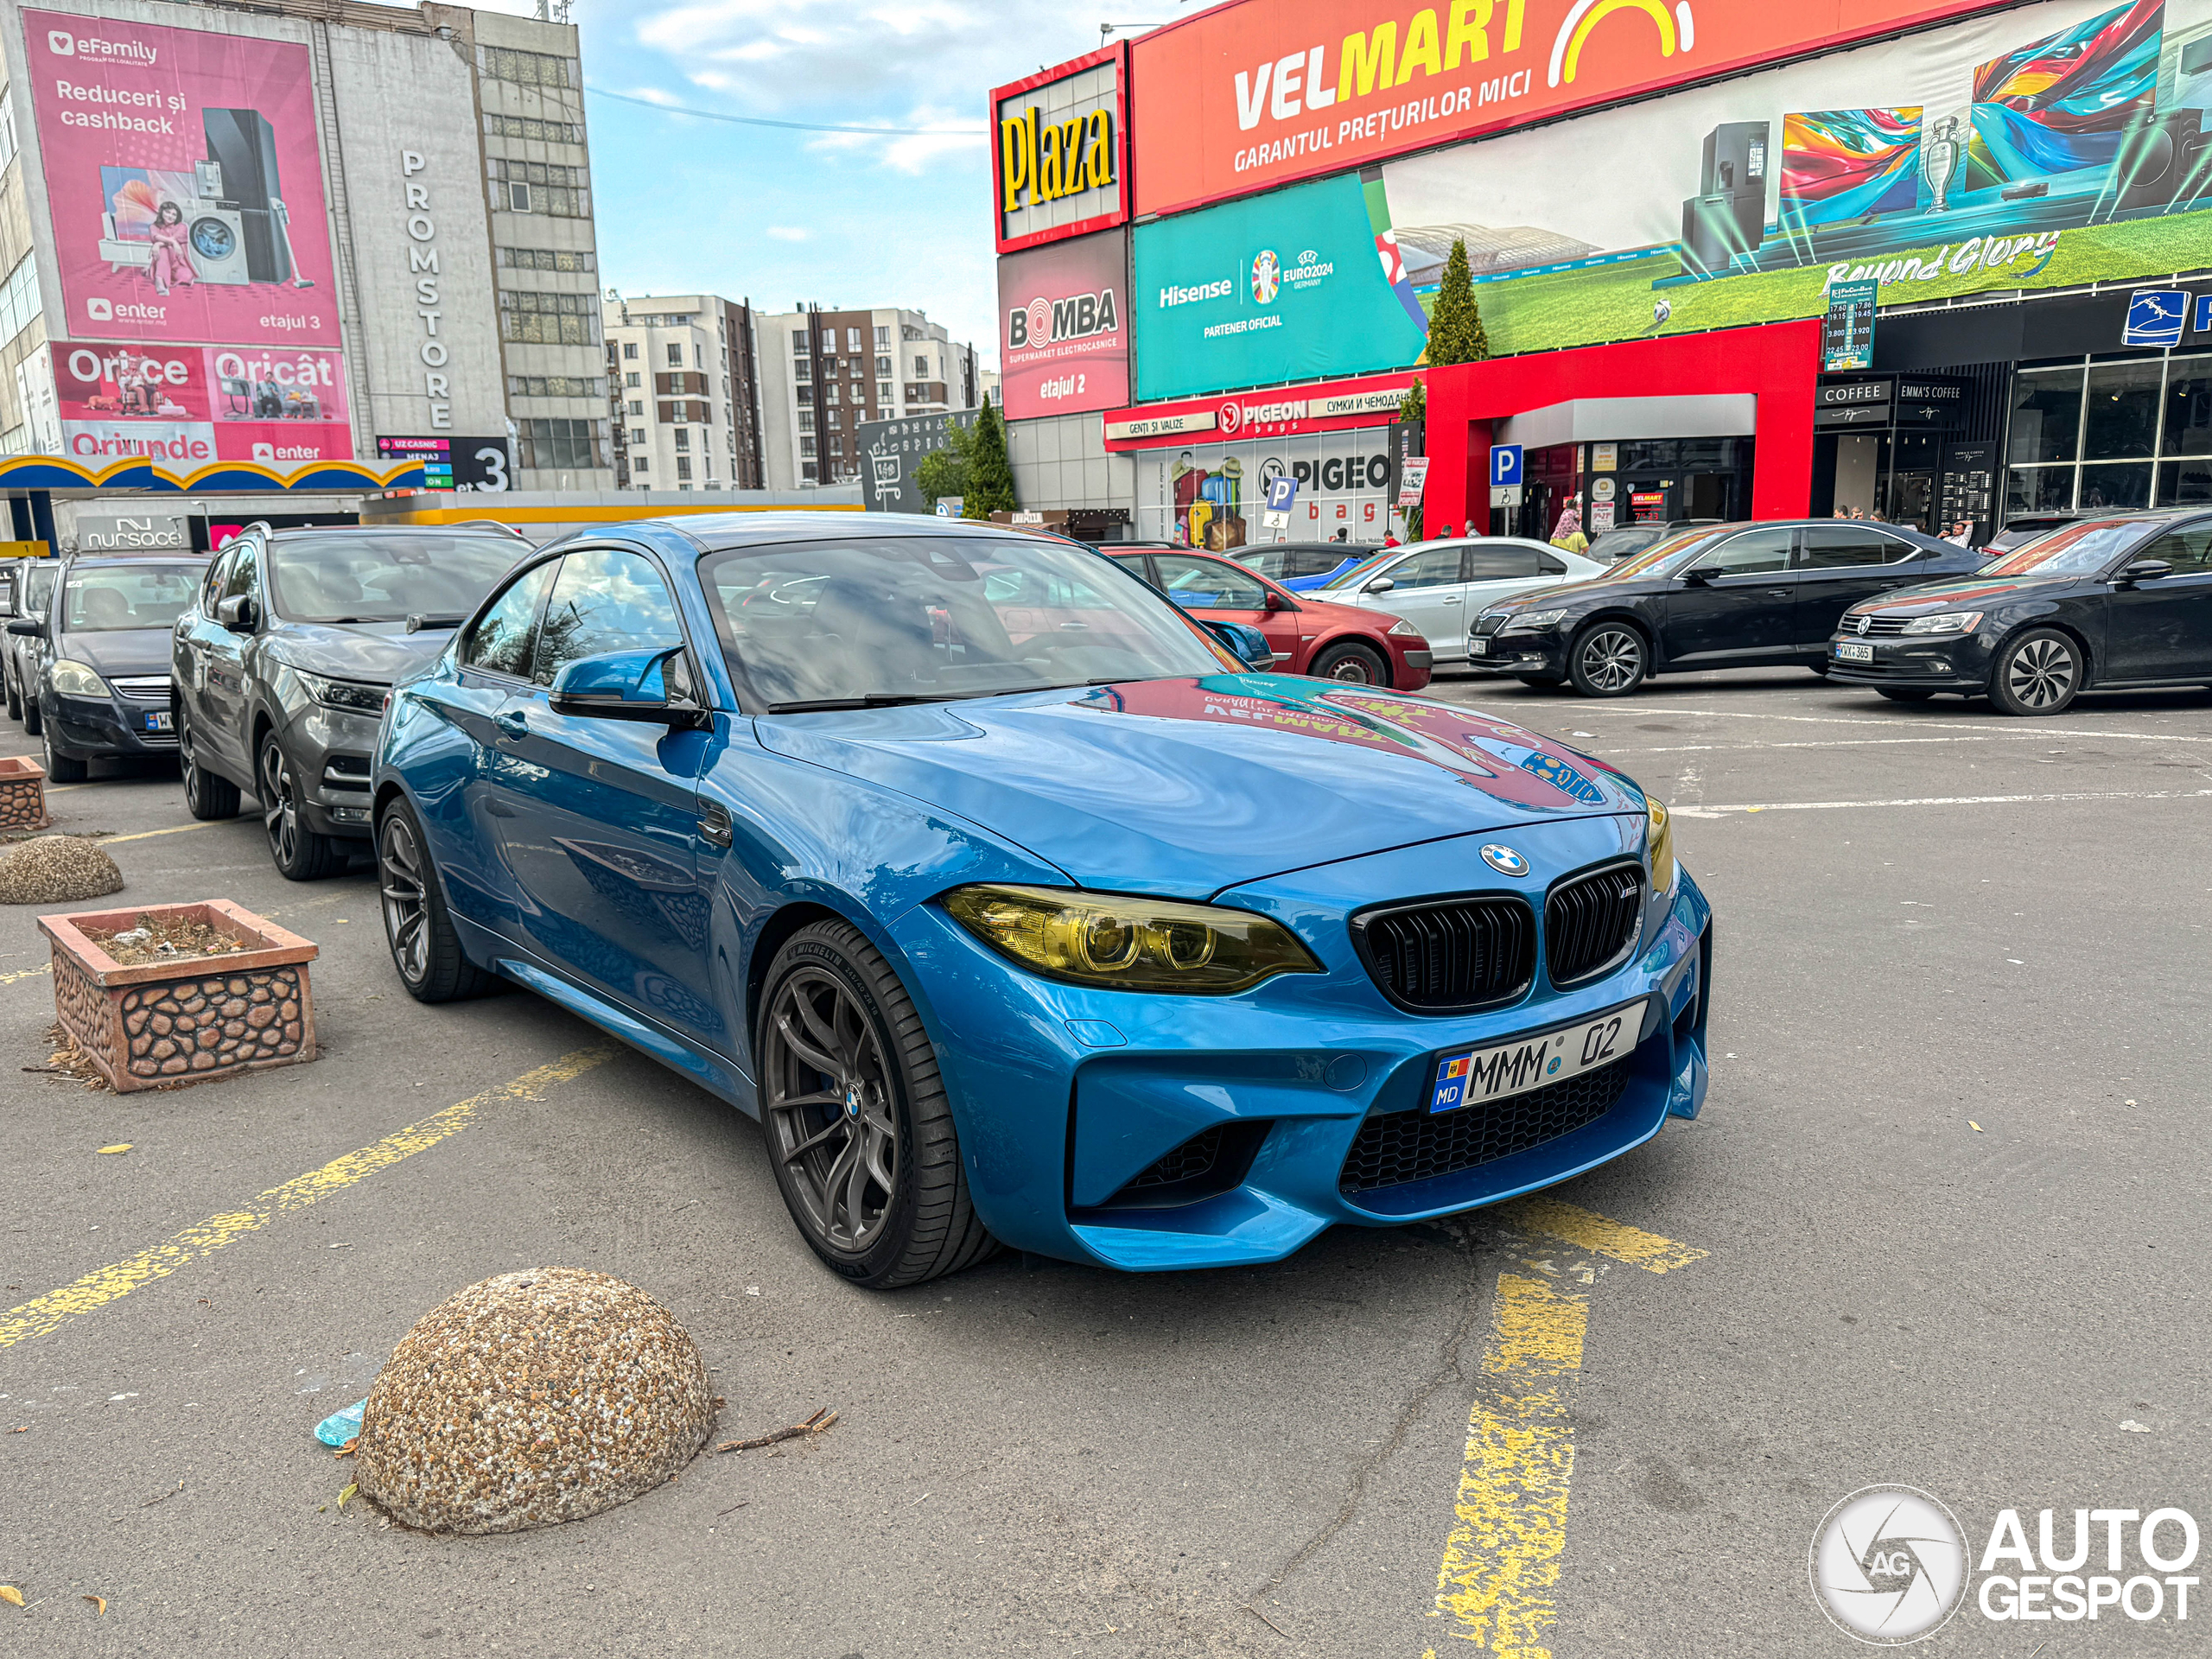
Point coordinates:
[[184, 182], [1063, 335], [2049, 145], [1259, 92], [185, 406]]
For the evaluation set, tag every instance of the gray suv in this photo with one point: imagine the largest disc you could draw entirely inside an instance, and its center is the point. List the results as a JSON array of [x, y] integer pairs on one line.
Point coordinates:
[[281, 665], [19, 652]]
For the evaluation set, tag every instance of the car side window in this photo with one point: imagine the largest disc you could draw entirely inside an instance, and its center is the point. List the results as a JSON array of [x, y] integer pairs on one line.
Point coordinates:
[[245, 565], [1208, 584], [1849, 546], [1436, 567], [1753, 553], [604, 599], [210, 585], [1497, 563], [500, 643], [2188, 549], [1137, 565], [1548, 566]]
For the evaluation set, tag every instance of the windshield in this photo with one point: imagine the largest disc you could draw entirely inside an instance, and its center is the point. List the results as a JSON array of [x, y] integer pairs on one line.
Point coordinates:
[[1285, 561], [1364, 568], [108, 599], [1620, 543], [919, 618], [38, 588], [1660, 560], [2073, 550], [368, 578]]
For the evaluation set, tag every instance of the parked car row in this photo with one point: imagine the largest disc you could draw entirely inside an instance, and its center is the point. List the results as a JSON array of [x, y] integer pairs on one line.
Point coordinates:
[[2112, 601]]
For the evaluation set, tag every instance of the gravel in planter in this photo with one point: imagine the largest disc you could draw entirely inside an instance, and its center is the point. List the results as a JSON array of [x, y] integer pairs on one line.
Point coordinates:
[[56, 870], [529, 1399]]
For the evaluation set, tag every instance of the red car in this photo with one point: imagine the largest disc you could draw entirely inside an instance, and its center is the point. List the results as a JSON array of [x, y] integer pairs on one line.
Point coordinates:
[[1333, 642]]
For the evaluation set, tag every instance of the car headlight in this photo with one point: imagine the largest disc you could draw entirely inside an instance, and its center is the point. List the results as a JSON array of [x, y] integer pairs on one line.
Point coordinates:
[[77, 680], [1531, 621], [1404, 630], [1945, 622], [1130, 944], [1659, 843], [347, 697]]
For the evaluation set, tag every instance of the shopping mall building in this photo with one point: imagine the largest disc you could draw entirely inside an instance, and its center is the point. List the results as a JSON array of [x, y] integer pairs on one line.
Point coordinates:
[[1936, 259]]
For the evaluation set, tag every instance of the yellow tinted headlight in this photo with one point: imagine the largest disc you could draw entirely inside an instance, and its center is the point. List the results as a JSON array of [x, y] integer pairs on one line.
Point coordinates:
[[76, 680], [1659, 844], [1130, 944]]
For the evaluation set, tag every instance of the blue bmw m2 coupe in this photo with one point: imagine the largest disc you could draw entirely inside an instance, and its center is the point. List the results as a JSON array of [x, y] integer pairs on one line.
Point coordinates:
[[1017, 911]]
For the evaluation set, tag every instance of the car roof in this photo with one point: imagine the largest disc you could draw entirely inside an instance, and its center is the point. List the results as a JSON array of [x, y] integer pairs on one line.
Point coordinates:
[[717, 532], [167, 556]]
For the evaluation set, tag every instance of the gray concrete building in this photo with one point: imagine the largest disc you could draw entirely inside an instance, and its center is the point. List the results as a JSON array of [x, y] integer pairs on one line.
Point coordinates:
[[683, 392], [826, 371]]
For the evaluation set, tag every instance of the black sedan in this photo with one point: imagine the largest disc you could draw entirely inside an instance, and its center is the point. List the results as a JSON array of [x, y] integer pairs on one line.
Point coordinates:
[[281, 665], [99, 676], [2122, 601], [1739, 595]]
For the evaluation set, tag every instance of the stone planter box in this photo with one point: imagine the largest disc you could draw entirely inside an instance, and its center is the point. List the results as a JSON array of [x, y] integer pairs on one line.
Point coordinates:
[[22, 794], [196, 1017]]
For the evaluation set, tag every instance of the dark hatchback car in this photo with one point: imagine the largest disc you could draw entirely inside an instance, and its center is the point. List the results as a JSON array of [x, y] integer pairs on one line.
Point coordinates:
[[2101, 604], [1740, 595], [99, 675], [19, 652], [280, 664]]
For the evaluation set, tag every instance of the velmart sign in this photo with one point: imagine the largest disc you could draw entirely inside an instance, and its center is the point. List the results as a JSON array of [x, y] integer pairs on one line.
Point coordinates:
[[1286, 286]]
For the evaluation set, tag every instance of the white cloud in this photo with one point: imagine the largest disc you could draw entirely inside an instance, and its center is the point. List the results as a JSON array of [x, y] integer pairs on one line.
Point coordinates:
[[788, 233]]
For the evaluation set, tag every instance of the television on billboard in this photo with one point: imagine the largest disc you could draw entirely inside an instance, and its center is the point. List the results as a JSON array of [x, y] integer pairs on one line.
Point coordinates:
[[1063, 335], [184, 181], [2049, 145]]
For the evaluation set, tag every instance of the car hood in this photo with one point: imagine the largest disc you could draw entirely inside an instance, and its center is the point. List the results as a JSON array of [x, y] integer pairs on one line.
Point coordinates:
[[1566, 592], [378, 652], [119, 650], [1961, 592], [1185, 787], [1335, 613]]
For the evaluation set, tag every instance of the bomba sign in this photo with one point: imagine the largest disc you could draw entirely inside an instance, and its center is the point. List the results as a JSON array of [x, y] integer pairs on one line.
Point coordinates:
[[1064, 347]]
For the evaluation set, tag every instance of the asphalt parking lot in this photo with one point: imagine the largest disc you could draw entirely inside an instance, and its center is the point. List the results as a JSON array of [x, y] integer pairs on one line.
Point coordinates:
[[1941, 1224]]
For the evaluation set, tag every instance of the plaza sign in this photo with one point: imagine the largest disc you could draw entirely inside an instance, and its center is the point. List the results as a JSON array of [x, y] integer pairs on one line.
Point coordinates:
[[1058, 152]]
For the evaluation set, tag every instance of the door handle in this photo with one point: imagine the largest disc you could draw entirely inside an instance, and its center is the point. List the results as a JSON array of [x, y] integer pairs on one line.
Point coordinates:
[[1780, 592], [511, 723], [713, 824]]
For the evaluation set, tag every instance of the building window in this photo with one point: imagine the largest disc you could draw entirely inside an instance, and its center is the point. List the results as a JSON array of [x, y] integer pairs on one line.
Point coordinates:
[[675, 357], [526, 68], [883, 366], [631, 378], [806, 420], [922, 368], [556, 385], [798, 341], [531, 129], [806, 445], [882, 335], [630, 352], [19, 299], [806, 469], [539, 187], [833, 392], [683, 437], [852, 339], [548, 319], [640, 464], [8, 137], [636, 406], [804, 395], [883, 391], [638, 433], [548, 260], [567, 445], [2111, 436], [683, 467]]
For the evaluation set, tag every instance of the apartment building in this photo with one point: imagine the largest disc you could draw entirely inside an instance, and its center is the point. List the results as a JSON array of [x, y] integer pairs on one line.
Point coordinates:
[[826, 371], [683, 393]]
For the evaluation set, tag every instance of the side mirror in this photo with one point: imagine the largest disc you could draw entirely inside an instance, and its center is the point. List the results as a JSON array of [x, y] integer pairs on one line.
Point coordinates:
[[1379, 584], [624, 685], [28, 628], [1274, 602], [1700, 575], [2145, 570], [1249, 645], [239, 614]]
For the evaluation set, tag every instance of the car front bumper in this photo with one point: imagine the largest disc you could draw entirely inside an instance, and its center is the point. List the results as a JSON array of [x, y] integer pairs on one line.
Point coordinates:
[[1067, 1098], [332, 754], [1519, 653], [1931, 662], [89, 727]]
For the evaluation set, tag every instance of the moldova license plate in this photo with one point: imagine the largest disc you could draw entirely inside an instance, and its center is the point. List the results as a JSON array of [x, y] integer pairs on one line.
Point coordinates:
[[1850, 651], [1472, 1075], [158, 722]]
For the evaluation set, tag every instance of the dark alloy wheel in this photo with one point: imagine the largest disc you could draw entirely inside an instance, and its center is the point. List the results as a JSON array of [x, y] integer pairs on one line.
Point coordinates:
[[300, 852], [859, 1129], [1607, 660], [424, 947], [62, 767], [206, 796], [2037, 673], [1355, 664], [33, 725]]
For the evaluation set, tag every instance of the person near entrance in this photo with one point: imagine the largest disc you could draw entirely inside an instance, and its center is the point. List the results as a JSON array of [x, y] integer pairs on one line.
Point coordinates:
[[1567, 533]]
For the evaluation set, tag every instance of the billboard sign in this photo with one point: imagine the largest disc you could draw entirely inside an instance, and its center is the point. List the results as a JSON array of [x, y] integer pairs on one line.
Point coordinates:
[[1290, 286], [1216, 495], [1059, 151], [185, 406], [1063, 336], [485, 464], [894, 448], [184, 181], [1257, 93]]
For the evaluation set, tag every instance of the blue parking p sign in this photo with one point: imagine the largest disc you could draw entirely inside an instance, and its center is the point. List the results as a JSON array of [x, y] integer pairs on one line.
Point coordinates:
[[1504, 465], [1282, 489]]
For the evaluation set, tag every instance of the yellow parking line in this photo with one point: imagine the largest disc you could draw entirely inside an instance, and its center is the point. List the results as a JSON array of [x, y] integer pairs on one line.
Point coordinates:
[[105, 1285], [26, 973], [1598, 1235], [174, 829]]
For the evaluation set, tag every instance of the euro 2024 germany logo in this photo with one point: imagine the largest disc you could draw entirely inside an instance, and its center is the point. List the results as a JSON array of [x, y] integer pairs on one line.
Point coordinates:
[[1267, 277]]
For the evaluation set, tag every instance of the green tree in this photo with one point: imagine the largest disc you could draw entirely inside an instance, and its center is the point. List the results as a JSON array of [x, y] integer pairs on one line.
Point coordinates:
[[1455, 323], [944, 471], [990, 475]]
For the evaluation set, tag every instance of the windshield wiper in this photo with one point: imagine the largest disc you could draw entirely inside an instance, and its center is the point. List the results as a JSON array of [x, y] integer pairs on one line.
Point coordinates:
[[873, 700]]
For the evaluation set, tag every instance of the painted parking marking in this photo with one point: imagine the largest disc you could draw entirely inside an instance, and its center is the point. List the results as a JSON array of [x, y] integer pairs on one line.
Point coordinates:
[[1946, 800], [174, 829], [43, 1314], [1500, 1571], [1893, 722], [26, 973]]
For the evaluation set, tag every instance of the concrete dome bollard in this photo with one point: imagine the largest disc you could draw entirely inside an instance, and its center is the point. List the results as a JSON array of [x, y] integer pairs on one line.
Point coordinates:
[[57, 870], [529, 1399]]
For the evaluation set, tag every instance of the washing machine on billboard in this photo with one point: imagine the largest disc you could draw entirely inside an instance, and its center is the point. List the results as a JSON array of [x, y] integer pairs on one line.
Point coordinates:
[[216, 237]]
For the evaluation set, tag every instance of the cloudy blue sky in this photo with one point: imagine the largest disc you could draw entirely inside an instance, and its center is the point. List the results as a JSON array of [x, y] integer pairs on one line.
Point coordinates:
[[687, 206]]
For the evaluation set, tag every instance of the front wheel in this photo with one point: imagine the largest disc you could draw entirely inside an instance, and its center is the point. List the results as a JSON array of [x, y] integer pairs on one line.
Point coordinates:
[[1352, 662], [300, 854], [1608, 660], [64, 768], [33, 725], [2037, 673], [424, 947], [859, 1131], [206, 796]]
